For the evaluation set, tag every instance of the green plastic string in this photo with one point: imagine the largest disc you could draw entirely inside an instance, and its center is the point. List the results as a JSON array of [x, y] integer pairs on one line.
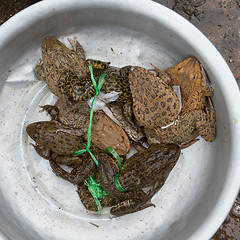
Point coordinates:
[[96, 191], [114, 153], [87, 149], [94, 187], [118, 185], [97, 88]]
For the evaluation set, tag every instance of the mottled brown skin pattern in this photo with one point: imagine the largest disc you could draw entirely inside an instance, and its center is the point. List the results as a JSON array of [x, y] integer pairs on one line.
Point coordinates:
[[86, 198], [49, 135], [146, 168], [186, 128], [82, 89], [88, 201], [105, 132], [132, 130], [84, 168], [120, 205], [74, 115], [57, 59], [79, 173], [154, 102], [68, 160], [97, 65], [119, 82], [59, 171], [76, 89], [195, 87]]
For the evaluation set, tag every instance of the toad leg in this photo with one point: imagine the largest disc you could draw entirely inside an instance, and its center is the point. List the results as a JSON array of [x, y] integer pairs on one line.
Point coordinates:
[[51, 110], [77, 47], [39, 71], [42, 151], [133, 205], [206, 123]]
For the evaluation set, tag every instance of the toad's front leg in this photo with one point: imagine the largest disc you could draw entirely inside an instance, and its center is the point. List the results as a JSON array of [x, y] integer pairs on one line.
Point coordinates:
[[42, 151], [51, 110], [79, 173], [39, 71], [141, 201]]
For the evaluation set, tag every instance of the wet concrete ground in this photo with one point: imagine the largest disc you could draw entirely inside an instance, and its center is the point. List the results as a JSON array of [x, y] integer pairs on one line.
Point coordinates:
[[219, 20], [9, 7]]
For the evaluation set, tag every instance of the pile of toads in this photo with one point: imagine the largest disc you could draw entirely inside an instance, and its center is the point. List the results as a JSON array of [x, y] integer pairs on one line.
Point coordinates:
[[153, 111]]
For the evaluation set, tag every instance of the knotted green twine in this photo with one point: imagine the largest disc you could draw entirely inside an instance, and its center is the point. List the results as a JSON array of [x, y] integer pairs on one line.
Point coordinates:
[[97, 88], [96, 191], [114, 153], [94, 187]]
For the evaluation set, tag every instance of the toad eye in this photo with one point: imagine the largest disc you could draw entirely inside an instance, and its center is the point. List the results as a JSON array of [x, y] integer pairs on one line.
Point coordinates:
[[165, 151]]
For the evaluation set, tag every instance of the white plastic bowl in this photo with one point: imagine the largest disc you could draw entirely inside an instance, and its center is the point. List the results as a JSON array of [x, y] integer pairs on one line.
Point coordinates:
[[37, 205]]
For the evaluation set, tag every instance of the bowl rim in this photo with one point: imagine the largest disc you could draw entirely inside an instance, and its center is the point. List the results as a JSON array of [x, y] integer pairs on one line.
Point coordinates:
[[199, 42]]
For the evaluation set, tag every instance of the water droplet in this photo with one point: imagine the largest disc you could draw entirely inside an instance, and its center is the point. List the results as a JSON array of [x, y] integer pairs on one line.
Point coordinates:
[[236, 210]]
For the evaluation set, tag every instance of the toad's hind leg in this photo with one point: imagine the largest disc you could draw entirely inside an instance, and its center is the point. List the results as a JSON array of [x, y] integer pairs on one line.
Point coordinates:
[[206, 124], [132, 131], [128, 112], [60, 172], [191, 139], [89, 202], [130, 206], [78, 174], [84, 171], [77, 47], [86, 198], [162, 74]]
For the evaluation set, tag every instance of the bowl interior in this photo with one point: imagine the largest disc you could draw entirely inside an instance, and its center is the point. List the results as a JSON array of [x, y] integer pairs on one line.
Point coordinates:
[[38, 205]]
